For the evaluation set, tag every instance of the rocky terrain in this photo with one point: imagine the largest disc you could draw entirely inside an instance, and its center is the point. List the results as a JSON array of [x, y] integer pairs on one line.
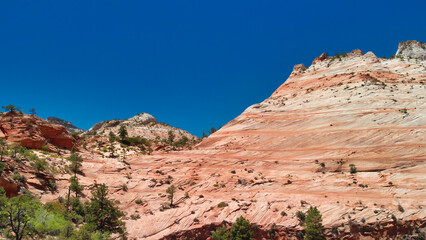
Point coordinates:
[[346, 134], [33, 132], [68, 125]]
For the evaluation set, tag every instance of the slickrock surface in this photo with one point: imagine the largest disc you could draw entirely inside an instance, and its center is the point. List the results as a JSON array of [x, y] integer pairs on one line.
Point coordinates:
[[34, 132], [292, 151]]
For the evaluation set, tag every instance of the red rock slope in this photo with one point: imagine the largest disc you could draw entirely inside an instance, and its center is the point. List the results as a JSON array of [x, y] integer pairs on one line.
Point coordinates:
[[294, 150]]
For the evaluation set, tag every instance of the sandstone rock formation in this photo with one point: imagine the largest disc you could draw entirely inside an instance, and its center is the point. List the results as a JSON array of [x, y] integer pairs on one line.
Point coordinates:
[[143, 125], [412, 49], [34, 132], [347, 135], [68, 125]]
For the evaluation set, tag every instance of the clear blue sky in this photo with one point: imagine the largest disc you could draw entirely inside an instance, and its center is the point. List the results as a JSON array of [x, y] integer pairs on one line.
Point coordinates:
[[192, 64]]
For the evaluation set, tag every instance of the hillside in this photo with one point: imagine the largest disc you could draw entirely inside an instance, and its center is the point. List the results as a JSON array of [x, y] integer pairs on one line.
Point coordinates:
[[346, 134]]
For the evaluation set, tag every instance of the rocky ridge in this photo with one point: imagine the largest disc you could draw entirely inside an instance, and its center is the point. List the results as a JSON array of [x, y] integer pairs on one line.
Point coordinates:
[[68, 125], [142, 124]]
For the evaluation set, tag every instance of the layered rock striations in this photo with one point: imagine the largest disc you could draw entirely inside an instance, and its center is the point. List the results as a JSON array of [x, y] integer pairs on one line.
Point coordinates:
[[346, 134], [34, 132]]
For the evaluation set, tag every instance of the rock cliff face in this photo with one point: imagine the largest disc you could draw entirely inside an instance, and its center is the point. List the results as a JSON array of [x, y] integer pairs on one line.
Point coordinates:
[[68, 125], [345, 134], [34, 132], [412, 49]]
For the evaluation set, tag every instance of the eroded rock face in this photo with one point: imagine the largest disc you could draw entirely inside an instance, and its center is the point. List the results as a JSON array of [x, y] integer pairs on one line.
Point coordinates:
[[143, 125], [68, 125], [292, 151], [412, 49], [34, 132]]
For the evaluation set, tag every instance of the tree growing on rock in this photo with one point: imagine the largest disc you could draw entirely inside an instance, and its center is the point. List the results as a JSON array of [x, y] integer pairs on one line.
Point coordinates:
[[32, 111], [314, 229], [241, 230], [102, 214], [10, 108], [122, 132], [171, 191]]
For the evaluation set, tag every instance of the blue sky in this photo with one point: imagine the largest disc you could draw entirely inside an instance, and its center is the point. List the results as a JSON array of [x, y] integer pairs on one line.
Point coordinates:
[[192, 64]]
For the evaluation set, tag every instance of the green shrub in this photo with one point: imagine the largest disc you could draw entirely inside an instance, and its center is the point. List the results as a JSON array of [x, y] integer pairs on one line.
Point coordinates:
[[222, 205], [301, 216], [138, 201], [353, 169]]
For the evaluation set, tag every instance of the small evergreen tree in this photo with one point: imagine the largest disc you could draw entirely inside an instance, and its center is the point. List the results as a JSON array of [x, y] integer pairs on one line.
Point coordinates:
[[221, 234], [32, 111], [10, 108], [212, 130], [314, 229], [122, 132], [102, 214], [204, 134], [241, 230], [171, 191]]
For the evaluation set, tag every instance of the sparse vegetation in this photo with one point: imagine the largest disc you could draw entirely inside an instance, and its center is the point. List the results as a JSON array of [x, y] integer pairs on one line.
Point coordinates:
[[353, 169]]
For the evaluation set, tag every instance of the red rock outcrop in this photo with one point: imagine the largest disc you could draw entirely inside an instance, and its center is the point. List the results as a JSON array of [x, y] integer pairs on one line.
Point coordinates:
[[11, 188], [34, 132]]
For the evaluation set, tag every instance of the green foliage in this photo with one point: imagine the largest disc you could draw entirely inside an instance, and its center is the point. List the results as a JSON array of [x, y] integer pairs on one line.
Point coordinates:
[[2, 166], [241, 230], [314, 229], [122, 132], [40, 165], [102, 214], [32, 111], [301, 216], [3, 148], [112, 137], [204, 134], [221, 234], [212, 130], [17, 214], [48, 223], [171, 137], [222, 205], [10, 108], [353, 169], [75, 186], [75, 163], [171, 191]]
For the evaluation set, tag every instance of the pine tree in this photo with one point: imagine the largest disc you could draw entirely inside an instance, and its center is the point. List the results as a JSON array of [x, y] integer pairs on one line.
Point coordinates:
[[10, 108], [171, 191], [122, 132], [102, 214], [221, 234], [241, 230], [314, 229]]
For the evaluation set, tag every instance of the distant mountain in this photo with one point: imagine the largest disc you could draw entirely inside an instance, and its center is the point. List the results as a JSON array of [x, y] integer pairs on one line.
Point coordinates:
[[68, 125]]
